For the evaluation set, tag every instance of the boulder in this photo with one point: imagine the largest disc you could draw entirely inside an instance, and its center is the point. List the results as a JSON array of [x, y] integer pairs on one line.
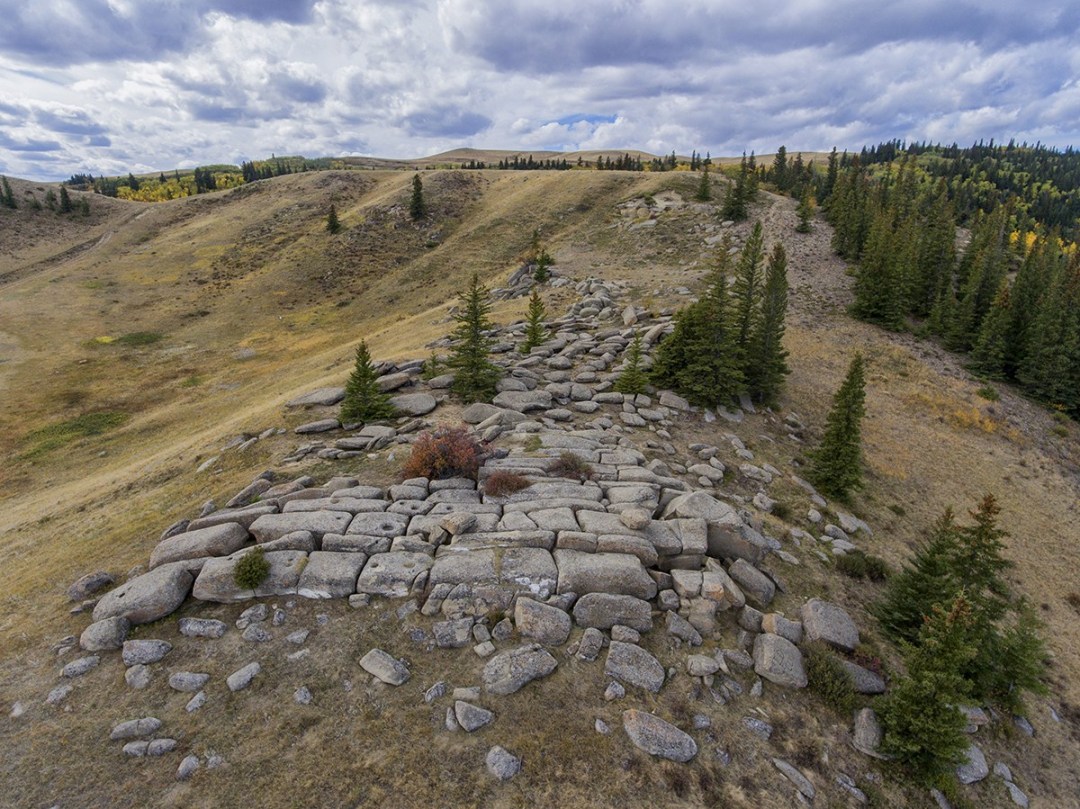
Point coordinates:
[[509, 671], [330, 575], [616, 573], [524, 401], [85, 586], [726, 536], [633, 665], [324, 397], [217, 580], [147, 597], [106, 634], [471, 717], [779, 660], [217, 540], [827, 622], [414, 404], [501, 763], [144, 652], [867, 735], [269, 527], [605, 610], [864, 680], [384, 667], [545, 624], [974, 767], [658, 737], [478, 412], [392, 574], [755, 584]]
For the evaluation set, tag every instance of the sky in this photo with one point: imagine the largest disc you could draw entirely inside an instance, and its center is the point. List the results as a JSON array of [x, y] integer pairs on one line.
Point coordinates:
[[111, 86]]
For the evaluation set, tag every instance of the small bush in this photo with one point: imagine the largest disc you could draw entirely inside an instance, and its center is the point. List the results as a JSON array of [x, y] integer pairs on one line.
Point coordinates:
[[569, 465], [533, 443], [898, 510], [829, 679], [502, 483], [252, 570], [449, 452], [782, 511], [140, 338], [859, 565], [988, 393]]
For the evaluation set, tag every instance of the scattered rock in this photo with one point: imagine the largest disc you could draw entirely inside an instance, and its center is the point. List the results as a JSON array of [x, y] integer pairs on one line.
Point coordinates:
[[801, 782], [503, 764], [144, 652], [135, 728], [657, 737], [77, 668], [633, 665], [188, 680], [187, 768], [471, 717], [974, 768], [85, 586], [511, 670], [104, 635], [384, 667], [830, 623], [779, 660]]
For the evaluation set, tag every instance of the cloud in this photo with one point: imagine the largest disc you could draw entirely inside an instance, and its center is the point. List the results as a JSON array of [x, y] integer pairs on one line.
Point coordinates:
[[18, 145], [443, 120]]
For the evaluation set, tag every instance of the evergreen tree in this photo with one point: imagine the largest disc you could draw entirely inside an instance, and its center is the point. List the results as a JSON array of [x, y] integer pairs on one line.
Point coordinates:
[[417, 206], [831, 173], [704, 191], [474, 373], [700, 359], [740, 193], [836, 465], [363, 401], [1052, 368], [632, 379], [535, 333], [7, 198], [924, 728], [65, 200], [805, 212], [981, 272], [333, 224], [990, 351], [766, 364], [747, 287], [936, 253], [779, 173]]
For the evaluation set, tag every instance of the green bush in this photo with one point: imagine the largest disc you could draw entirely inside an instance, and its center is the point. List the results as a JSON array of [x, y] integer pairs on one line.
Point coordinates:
[[140, 338], [782, 511], [828, 678], [252, 570], [988, 393], [859, 565]]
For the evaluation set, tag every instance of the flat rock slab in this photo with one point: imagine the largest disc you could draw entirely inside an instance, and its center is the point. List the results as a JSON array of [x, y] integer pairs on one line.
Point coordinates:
[[383, 666], [392, 574], [320, 397], [509, 671], [320, 426], [202, 628], [523, 401], [147, 597], [217, 540], [617, 573], [801, 782], [605, 610], [241, 678], [830, 623], [378, 524], [414, 404], [779, 661], [330, 575], [658, 737], [543, 623], [269, 527], [633, 665], [217, 581]]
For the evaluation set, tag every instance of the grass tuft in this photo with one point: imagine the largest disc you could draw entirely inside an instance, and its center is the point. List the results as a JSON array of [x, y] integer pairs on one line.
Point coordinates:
[[57, 435]]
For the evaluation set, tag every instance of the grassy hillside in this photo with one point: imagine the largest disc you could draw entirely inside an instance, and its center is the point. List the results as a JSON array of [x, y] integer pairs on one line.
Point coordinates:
[[136, 341]]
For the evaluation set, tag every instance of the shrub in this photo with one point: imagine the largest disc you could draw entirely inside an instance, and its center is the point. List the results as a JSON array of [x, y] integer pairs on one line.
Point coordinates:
[[252, 570], [988, 393], [569, 465], [827, 678], [448, 452], [859, 565], [782, 511], [533, 443], [502, 483], [140, 338]]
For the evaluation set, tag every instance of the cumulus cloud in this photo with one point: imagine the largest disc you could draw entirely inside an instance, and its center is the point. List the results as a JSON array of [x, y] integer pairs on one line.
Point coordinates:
[[113, 85]]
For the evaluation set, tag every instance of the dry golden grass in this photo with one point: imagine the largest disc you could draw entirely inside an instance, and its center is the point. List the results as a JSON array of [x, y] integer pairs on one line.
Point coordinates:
[[256, 270]]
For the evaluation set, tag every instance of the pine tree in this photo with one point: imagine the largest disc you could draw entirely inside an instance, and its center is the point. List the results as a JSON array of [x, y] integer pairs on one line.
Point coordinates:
[[704, 191], [333, 225], [740, 193], [831, 174], [701, 359], [766, 364], [805, 212], [747, 286], [990, 351], [7, 198], [836, 465], [924, 728], [779, 173], [535, 333], [65, 200], [363, 401], [417, 206], [632, 379], [474, 373]]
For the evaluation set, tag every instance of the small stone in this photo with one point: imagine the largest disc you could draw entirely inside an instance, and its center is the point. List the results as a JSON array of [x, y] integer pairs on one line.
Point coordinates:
[[1018, 796], [77, 668], [144, 652], [241, 678], [302, 695], [614, 691], [974, 768], [134, 728], [602, 727], [632, 664], [437, 691], [485, 649], [801, 782], [625, 634], [59, 694], [701, 665], [188, 681], [384, 667], [701, 722], [256, 634], [187, 768], [202, 628], [592, 641], [299, 637], [106, 634], [196, 702], [159, 747], [658, 737], [758, 727], [136, 749], [471, 717], [503, 764]]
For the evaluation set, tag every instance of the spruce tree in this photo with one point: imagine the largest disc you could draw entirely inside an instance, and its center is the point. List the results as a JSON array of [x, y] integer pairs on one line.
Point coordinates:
[[766, 364], [747, 287], [474, 373], [836, 465], [990, 353], [632, 379], [417, 206], [363, 400], [333, 225], [924, 728], [535, 333], [805, 212], [704, 190], [65, 200]]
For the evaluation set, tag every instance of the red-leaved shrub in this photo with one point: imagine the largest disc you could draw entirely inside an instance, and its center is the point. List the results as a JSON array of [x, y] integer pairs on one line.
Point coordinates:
[[502, 483], [448, 452]]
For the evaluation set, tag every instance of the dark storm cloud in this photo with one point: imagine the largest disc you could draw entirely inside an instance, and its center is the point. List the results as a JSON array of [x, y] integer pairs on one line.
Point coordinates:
[[57, 33], [562, 36], [445, 121]]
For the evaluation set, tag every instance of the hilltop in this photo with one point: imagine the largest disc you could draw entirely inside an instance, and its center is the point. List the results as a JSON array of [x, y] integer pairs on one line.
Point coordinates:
[[141, 340]]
